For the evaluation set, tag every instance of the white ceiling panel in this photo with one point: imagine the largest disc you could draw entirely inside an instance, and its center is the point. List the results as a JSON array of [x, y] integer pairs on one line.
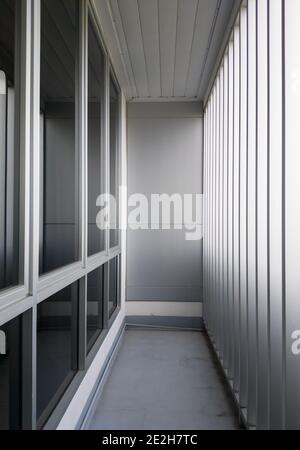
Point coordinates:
[[148, 11], [168, 10], [133, 34], [165, 49], [187, 11]]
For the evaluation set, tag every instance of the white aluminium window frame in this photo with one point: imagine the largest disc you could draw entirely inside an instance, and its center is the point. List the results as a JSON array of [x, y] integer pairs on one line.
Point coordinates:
[[66, 275], [33, 288], [17, 299]]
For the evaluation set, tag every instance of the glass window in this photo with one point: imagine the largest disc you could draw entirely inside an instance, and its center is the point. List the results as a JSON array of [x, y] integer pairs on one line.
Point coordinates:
[[96, 238], [113, 286], [59, 32], [10, 375], [95, 300], [57, 349], [114, 162], [9, 145]]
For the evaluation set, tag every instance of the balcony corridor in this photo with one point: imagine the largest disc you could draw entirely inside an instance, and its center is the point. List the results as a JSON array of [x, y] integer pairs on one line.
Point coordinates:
[[164, 380]]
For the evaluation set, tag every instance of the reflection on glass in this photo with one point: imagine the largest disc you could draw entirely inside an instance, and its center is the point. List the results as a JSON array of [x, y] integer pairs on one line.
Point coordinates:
[[59, 235], [57, 330], [114, 163], [113, 286], [96, 238], [95, 296], [9, 143], [10, 375]]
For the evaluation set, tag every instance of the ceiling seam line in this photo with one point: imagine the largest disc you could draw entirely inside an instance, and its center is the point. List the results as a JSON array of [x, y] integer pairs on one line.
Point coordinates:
[[143, 45], [159, 48], [192, 44], [175, 59]]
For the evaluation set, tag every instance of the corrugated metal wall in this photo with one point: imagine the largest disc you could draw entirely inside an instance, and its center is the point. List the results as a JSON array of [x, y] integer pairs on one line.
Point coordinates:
[[252, 213]]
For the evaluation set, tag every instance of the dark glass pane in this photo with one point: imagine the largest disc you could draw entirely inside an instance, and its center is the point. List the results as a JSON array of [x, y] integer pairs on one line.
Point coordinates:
[[9, 142], [10, 375], [114, 178], [95, 295], [113, 286], [96, 238], [59, 33], [57, 330]]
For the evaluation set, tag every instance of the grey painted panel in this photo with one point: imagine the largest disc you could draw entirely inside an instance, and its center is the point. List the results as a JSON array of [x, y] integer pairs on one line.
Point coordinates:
[[225, 215], [153, 144], [221, 206], [262, 218], [230, 217], [206, 304], [292, 211], [163, 263], [251, 221], [251, 218], [207, 218], [216, 211], [212, 216], [207, 263], [218, 215], [205, 214], [243, 213], [236, 208], [164, 156], [211, 271], [276, 217]]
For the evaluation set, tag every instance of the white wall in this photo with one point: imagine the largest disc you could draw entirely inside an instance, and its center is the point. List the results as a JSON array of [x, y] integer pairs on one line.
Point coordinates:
[[164, 157]]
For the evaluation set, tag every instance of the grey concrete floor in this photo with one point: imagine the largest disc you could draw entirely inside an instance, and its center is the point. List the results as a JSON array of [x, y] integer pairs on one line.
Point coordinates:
[[164, 380]]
